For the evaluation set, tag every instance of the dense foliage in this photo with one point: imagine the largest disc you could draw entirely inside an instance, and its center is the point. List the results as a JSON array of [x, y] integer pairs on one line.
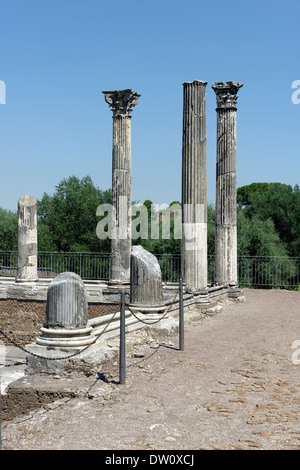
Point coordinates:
[[8, 230], [268, 218], [278, 207]]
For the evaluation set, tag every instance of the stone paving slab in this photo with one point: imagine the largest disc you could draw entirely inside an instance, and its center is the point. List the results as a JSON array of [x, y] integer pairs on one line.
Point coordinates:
[[235, 386], [12, 365]]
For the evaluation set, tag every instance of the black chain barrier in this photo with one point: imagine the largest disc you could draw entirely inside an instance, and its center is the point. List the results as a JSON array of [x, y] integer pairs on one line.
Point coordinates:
[[152, 322], [12, 341], [16, 344], [122, 356]]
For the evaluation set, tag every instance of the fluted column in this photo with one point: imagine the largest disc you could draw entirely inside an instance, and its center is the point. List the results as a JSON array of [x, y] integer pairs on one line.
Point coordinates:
[[226, 205], [66, 313], [121, 102], [194, 187]]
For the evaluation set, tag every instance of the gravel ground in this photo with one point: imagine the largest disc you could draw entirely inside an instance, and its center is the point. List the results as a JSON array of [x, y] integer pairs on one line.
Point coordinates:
[[236, 385]]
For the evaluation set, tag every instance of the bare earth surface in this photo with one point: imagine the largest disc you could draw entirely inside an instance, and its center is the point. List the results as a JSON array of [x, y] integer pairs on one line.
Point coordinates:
[[233, 387]]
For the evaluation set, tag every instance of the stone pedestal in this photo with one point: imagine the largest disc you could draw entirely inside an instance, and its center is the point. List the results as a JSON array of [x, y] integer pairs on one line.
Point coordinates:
[[226, 204], [65, 331], [27, 239], [194, 187], [66, 313], [121, 103], [146, 294]]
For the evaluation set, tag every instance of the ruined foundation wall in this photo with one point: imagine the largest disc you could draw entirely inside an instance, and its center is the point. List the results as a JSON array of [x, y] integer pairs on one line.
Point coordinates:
[[23, 309], [22, 319]]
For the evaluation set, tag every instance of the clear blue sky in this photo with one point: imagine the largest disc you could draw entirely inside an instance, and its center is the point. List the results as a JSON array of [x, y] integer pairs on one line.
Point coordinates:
[[58, 56]]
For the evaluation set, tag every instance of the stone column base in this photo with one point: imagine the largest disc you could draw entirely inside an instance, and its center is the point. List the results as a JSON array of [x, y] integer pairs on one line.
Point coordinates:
[[60, 338], [235, 293], [151, 309], [63, 360], [201, 295]]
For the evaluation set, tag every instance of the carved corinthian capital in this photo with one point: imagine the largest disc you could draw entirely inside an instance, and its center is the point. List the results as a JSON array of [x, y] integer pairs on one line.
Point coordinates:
[[226, 93], [121, 101]]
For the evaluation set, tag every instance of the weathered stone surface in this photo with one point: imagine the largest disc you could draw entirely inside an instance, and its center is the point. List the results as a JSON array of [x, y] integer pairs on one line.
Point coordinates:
[[145, 282], [226, 230], [226, 94], [27, 239], [194, 187], [67, 305], [66, 314], [65, 327], [121, 102]]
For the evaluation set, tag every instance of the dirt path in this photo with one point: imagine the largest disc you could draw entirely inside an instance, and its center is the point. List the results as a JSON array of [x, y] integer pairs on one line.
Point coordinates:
[[233, 387]]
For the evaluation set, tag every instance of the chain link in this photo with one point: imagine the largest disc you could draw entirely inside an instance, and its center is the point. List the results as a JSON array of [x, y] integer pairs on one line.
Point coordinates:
[[153, 321], [15, 343]]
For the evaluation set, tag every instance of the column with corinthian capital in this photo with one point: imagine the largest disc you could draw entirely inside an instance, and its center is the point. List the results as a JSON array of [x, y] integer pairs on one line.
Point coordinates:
[[121, 102], [226, 210]]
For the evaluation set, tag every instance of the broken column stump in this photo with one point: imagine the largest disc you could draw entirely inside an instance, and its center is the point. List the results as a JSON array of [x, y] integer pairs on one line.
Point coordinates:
[[27, 239], [146, 294], [65, 330]]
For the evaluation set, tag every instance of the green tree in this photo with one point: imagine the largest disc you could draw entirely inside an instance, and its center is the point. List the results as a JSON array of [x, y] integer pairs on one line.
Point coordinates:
[[68, 221], [244, 193], [258, 237], [45, 237], [177, 203], [8, 230], [263, 266], [148, 204], [281, 204], [211, 220]]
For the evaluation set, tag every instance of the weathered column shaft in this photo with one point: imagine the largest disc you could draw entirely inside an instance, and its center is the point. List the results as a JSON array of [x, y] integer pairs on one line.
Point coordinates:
[[66, 328], [194, 187], [27, 239], [146, 292], [67, 305], [226, 211], [121, 199], [121, 103]]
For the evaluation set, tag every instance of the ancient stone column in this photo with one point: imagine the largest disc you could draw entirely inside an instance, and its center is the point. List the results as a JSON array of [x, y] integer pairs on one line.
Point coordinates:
[[66, 313], [146, 292], [226, 205], [27, 239], [66, 332], [194, 187], [121, 103]]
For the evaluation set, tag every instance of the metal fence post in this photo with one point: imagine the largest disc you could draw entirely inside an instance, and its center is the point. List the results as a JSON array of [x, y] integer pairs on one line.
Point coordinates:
[[181, 319], [122, 340]]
